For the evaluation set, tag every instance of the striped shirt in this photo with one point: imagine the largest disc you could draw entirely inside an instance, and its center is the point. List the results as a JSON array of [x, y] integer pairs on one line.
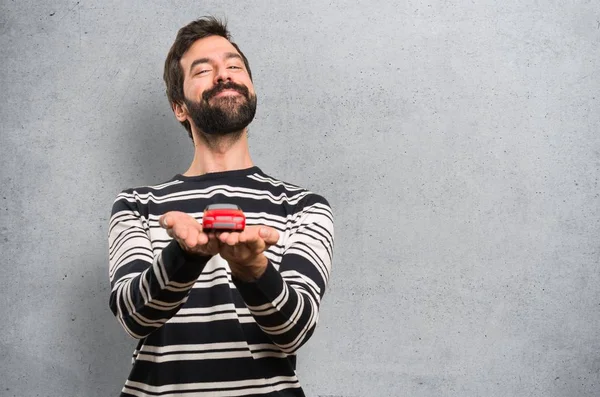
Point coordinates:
[[200, 331]]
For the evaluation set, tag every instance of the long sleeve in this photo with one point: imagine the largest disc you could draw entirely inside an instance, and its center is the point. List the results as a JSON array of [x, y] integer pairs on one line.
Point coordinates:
[[147, 289], [285, 302]]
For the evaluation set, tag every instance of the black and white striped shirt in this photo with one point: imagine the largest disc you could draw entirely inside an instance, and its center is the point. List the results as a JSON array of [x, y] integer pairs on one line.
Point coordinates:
[[200, 331]]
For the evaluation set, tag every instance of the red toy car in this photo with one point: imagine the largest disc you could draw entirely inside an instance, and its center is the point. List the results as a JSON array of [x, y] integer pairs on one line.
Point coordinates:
[[223, 218]]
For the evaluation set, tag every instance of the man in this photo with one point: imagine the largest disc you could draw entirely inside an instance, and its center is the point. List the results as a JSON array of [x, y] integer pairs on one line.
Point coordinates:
[[217, 314]]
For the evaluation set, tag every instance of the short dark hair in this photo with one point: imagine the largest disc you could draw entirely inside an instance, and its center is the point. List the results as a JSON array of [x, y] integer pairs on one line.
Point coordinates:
[[186, 37]]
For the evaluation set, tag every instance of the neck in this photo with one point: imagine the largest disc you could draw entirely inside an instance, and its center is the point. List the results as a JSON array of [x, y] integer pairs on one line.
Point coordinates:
[[218, 154]]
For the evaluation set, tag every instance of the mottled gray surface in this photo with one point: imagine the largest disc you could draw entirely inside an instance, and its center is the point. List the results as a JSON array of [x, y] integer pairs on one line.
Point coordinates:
[[457, 142]]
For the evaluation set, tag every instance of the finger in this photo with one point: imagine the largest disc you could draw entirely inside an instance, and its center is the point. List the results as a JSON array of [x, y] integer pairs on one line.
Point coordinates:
[[180, 231], [232, 239], [192, 238], [252, 240], [250, 235], [256, 246], [222, 237], [202, 239], [243, 237]]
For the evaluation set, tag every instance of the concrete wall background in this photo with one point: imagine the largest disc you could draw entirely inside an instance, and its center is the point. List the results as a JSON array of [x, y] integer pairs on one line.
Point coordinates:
[[457, 143]]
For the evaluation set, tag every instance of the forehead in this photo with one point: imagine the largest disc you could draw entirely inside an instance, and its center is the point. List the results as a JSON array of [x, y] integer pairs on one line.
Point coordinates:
[[212, 47]]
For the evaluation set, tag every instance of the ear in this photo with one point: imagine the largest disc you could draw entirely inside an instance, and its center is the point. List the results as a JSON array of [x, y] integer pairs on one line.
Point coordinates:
[[180, 111]]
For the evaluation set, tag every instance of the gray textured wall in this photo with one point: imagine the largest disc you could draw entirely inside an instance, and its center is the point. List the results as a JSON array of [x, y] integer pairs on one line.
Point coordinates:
[[457, 143]]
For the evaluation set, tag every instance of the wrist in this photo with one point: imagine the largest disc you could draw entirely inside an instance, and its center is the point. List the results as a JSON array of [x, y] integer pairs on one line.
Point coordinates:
[[250, 271], [193, 254]]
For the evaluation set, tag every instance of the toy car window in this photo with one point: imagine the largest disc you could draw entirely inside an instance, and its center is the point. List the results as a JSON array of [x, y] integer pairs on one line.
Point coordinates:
[[222, 207]]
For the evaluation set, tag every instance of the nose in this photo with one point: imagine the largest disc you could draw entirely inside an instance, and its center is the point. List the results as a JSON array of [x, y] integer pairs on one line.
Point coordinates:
[[222, 75]]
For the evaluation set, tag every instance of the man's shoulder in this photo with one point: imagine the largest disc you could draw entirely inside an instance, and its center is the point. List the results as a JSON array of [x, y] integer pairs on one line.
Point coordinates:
[[301, 195], [272, 182], [140, 196], [162, 187]]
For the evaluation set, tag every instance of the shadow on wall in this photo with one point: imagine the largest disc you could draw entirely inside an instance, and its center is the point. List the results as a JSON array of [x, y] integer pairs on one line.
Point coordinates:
[[148, 148], [104, 346], [152, 146]]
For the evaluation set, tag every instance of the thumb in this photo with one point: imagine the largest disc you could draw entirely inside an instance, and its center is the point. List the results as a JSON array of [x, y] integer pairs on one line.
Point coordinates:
[[164, 221], [270, 236]]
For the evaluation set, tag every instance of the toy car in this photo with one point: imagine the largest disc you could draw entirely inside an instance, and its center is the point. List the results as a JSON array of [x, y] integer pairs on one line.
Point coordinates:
[[223, 218]]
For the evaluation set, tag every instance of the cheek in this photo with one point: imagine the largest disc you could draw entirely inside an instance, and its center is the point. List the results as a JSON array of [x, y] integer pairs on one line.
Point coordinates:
[[194, 89], [250, 87]]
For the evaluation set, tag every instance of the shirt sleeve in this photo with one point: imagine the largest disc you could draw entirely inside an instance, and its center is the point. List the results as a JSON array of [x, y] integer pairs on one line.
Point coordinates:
[[285, 302], [147, 289]]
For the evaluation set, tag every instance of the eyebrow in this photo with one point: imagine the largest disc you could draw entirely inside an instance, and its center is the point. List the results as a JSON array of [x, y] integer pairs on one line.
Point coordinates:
[[228, 55]]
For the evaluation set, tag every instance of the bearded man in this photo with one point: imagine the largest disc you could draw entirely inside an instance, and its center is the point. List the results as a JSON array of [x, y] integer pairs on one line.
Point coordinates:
[[217, 314]]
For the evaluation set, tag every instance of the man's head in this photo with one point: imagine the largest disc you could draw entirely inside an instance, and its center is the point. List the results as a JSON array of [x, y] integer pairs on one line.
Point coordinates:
[[208, 79]]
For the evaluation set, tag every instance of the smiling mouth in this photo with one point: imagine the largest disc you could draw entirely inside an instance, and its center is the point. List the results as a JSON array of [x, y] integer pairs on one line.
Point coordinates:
[[227, 92]]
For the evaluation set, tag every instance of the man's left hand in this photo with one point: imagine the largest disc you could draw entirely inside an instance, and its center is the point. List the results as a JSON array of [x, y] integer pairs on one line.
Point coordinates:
[[244, 251]]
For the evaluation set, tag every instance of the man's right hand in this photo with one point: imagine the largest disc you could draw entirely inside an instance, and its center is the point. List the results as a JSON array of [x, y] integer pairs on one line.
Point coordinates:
[[187, 231]]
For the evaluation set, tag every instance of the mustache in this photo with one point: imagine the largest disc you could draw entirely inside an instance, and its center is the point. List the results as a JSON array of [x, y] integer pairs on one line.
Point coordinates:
[[230, 85]]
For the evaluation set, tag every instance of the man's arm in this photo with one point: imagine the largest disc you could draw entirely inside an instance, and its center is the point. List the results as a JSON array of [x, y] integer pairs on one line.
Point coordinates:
[[148, 289], [285, 302]]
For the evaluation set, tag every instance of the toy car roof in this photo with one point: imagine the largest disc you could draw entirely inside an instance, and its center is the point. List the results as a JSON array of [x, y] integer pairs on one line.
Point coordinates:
[[222, 207]]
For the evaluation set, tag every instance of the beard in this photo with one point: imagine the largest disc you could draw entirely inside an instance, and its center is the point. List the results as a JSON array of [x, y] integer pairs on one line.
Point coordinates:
[[227, 114]]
